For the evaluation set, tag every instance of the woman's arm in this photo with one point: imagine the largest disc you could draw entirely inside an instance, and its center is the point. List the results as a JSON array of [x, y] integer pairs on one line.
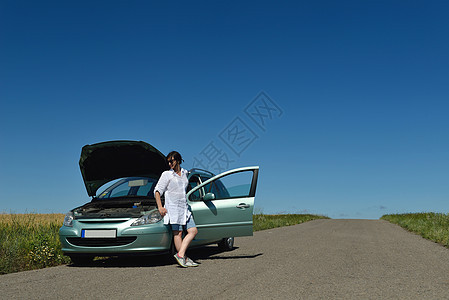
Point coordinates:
[[159, 190], [162, 210]]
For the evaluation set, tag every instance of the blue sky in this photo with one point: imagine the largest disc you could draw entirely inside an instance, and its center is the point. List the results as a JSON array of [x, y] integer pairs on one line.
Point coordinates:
[[358, 91]]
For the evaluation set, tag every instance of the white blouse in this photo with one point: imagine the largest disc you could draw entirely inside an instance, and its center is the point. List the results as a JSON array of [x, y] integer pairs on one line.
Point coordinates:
[[174, 187]]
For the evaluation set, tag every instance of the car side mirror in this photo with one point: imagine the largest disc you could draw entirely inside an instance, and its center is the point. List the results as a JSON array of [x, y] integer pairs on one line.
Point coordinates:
[[209, 196]]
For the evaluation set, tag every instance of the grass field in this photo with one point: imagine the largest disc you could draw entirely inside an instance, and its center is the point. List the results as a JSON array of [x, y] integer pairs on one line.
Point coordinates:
[[31, 241], [262, 222], [432, 226]]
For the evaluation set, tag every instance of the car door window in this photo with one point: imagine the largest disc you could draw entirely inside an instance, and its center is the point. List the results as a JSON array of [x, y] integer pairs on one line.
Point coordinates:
[[215, 187], [218, 189], [212, 188], [221, 190], [207, 187], [235, 185]]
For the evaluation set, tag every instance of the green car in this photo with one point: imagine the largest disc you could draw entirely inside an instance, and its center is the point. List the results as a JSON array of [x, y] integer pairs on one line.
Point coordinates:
[[122, 219]]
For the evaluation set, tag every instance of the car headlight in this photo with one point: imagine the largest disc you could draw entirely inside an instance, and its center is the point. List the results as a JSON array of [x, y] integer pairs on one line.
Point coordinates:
[[68, 219], [151, 218]]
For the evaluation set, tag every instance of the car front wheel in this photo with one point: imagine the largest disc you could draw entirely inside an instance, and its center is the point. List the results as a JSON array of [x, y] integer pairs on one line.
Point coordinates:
[[226, 244]]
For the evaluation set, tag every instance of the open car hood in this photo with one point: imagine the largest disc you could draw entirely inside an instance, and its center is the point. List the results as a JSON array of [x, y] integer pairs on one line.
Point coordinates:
[[103, 162]]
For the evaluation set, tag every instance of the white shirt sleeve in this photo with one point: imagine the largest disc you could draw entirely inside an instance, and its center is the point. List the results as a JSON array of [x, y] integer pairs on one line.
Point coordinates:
[[162, 184]]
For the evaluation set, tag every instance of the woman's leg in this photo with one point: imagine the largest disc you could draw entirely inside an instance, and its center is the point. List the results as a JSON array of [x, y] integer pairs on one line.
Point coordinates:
[[191, 233], [177, 239]]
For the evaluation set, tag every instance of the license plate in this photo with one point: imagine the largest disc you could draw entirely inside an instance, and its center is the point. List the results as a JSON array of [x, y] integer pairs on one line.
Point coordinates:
[[99, 233]]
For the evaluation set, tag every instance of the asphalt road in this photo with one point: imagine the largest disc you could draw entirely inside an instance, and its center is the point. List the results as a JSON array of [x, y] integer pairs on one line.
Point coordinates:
[[322, 259]]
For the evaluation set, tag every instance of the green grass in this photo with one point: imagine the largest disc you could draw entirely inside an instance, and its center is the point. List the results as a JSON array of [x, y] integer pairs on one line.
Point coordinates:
[[432, 226], [262, 222], [31, 241]]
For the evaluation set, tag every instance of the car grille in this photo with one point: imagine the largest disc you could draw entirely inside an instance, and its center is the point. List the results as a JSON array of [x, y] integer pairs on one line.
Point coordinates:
[[101, 242], [102, 221]]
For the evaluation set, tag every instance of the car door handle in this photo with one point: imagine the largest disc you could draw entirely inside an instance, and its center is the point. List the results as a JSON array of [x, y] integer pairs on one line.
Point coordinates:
[[243, 205]]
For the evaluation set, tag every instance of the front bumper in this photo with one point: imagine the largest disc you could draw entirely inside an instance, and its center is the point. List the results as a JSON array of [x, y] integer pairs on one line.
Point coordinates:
[[143, 239]]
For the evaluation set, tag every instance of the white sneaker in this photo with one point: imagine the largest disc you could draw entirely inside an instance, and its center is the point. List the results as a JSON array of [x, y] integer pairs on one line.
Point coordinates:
[[181, 261], [190, 263]]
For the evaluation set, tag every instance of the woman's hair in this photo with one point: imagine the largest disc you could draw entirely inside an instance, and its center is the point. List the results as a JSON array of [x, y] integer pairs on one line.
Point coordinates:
[[176, 156]]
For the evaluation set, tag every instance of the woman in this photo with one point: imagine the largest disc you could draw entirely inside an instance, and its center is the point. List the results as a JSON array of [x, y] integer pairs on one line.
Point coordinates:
[[175, 211]]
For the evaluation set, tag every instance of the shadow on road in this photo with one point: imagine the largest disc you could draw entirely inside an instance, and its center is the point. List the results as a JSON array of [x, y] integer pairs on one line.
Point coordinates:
[[200, 254], [211, 253]]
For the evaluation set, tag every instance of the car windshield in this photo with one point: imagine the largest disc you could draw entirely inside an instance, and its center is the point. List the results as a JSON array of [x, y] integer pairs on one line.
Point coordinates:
[[130, 187]]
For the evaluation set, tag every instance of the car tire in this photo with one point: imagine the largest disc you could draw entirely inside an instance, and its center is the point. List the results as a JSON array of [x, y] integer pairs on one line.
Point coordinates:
[[81, 260], [226, 244]]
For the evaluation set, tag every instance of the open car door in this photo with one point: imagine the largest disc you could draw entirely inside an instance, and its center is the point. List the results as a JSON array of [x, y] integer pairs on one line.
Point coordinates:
[[223, 205]]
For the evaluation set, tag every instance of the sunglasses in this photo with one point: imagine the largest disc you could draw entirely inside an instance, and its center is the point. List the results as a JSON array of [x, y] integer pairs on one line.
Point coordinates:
[[171, 161]]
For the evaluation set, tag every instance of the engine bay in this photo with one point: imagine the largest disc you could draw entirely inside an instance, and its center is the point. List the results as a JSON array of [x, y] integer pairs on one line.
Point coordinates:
[[125, 207]]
